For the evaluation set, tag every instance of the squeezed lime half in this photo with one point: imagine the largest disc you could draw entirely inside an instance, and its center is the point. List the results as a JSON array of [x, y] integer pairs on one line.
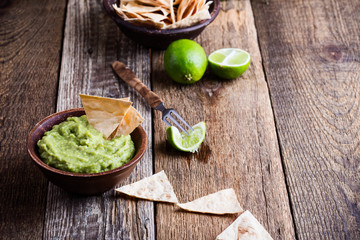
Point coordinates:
[[186, 143], [229, 63]]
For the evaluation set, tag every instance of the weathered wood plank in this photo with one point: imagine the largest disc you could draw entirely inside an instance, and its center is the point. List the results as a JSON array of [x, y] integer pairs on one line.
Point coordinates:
[[311, 52], [90, 46], [240, 150], [30, 43]]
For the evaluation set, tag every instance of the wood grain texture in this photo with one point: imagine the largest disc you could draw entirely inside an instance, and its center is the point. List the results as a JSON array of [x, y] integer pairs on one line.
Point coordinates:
[[128, 76], [90, 46], [240, 150], [311, 54], [30, 43]]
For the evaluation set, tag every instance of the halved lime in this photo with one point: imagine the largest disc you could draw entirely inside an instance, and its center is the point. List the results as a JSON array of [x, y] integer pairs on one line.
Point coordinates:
[[186, 143], [229, 63]]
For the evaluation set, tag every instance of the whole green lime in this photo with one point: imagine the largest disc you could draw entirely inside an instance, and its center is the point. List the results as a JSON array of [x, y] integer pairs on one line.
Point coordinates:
[[185, 61]]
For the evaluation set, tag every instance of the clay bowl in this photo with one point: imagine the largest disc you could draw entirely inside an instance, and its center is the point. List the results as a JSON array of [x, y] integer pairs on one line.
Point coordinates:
[[81, 183], [157, 38]]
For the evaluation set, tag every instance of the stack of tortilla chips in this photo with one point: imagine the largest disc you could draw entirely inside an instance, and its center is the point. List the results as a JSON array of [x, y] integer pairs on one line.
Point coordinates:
[[112, 117], [163, 14]]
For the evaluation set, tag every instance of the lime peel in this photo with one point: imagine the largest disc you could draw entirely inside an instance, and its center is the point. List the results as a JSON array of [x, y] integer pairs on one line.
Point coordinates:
[[185, 61], [186, 143]]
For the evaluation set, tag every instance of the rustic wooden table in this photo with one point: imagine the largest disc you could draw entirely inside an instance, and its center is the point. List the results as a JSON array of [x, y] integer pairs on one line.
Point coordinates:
[[285, 135]]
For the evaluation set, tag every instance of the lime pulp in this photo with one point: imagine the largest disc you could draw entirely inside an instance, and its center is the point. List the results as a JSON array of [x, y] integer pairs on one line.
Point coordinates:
[[229, 63]]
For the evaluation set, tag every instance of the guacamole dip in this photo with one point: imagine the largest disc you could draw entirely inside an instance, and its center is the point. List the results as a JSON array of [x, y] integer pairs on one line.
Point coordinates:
[[75, 146]]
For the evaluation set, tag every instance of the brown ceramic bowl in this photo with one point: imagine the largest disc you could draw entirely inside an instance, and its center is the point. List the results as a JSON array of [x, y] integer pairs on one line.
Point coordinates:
[[82, 183], [159, 38]]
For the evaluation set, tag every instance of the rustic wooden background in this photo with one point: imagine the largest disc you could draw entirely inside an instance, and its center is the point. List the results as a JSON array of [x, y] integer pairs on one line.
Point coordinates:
[[285, 135]]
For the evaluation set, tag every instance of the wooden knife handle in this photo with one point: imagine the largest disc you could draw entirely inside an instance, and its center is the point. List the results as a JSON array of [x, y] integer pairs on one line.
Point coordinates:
[[130, 78]]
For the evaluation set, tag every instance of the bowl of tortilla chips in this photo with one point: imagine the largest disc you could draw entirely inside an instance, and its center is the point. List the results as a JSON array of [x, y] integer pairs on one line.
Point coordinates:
[[82, 183], [157, 23]]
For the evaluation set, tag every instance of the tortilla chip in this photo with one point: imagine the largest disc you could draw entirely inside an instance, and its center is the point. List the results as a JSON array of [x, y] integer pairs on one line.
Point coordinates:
[[205, 6], [155, 3], [199, 6], [131, 120], [181, 9], [172, 12], [191, 20], [138, 8], [104, 114], [163, 14], [119, 11], [123, 2], [131, 15], [222, 202], [156, 188], [190, 9], [147, 22], [154, 16], [245, 227]]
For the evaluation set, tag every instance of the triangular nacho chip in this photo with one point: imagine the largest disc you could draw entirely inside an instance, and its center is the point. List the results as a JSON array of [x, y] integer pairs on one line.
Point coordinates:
[[156, 17], [136, 7], [131, 14], [189, 9], [245, 227], [104, 114], [181, 9], [131, 120], [191, 20], [172, 12], [222, 202], [199, 6], [156, 188]]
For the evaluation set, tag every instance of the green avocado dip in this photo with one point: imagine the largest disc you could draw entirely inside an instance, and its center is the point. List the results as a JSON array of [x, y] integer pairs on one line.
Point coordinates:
[[75, 146]]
